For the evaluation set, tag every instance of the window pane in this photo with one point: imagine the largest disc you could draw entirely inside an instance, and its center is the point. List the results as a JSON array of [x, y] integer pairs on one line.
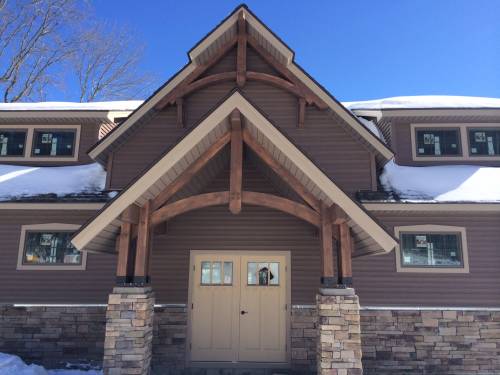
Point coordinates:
[[431, 250], [50, 143], [252, 273], [228, 273], [216, 273], [50, 248], [484, 142], [205, 273], [263, 274], [438, 142], [12, 143], [274, 276]]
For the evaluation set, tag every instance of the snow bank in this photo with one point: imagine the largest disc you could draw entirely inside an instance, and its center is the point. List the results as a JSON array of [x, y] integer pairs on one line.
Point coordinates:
[[13, 365], [449, 183], [425, 101], [22, 181], [124, 105]]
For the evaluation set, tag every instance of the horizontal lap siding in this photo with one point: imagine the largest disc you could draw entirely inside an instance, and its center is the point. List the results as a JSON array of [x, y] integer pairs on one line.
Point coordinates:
[[378, 283], [255, 229], [33, 286]]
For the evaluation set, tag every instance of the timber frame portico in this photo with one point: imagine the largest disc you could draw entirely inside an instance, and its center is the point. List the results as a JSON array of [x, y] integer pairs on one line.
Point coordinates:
[[138, 222]]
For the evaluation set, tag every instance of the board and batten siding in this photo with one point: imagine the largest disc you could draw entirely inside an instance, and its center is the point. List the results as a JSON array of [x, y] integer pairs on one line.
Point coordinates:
[[51, 286], [377, 282], [323, 138]]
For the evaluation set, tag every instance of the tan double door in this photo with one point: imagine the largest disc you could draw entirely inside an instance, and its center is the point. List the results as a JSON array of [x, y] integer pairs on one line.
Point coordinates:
[[238, 307]]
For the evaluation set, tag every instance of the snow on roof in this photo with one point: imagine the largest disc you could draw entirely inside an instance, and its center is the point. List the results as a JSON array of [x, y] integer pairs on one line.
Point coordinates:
[[425, 101], [22, 181], [373, 128], [124, 105], [447, 183]]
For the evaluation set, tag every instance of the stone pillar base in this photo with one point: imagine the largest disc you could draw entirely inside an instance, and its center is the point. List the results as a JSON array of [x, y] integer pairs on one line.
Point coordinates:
[[339, 334], [129, 331]]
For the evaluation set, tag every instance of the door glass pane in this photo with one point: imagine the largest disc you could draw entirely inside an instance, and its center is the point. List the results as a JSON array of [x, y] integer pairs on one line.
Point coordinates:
[[216, 273], [205, 273], [252, 273], [274, 276], [228, 273], [263, 274]]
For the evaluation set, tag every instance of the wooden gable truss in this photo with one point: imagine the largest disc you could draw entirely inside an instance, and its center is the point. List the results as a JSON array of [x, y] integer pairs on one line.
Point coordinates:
[[138, 222]]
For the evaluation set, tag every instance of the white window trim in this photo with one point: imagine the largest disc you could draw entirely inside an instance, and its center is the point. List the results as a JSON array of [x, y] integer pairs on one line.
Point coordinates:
[[42, 267], [463, 129], [430, 228], [30, 133]]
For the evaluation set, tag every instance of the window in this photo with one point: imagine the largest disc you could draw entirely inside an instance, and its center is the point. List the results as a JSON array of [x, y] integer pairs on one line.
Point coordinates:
[[53, 143], [48, 246], [12, 142], [216, 273], [438, 142], [433, 248], [263, 274], [484, 142]]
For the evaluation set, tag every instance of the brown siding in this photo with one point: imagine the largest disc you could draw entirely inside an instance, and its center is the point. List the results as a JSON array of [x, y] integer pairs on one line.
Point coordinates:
[[33, 286], [402, 147], [323, 139], [88, 137], [378, 283]]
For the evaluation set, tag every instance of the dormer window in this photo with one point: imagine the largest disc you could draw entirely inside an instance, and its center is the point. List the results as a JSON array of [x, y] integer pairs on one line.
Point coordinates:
[[484, 142], [438, 142], [53, 143], [12, 143]]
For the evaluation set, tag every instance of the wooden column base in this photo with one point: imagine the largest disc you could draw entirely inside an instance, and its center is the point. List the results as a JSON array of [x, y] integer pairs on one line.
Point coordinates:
[[328, 281], [133, 281]]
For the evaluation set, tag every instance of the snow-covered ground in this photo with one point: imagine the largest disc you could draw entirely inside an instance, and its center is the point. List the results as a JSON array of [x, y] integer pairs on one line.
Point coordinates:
[[447, 183], [22, 181], [124, 105], [425, 101], [13, 365]]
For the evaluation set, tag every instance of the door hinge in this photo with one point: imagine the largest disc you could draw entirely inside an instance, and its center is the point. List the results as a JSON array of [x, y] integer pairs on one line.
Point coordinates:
[[194, 267], [286, 307], [192, 306], [190, 347]]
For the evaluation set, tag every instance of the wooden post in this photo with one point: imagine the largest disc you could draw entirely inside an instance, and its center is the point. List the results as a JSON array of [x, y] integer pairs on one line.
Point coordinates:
[[302, 113], [141, 274], [345, 255], [328, 278], [123, 240], [179, 102], [235, 179], [241, 59]]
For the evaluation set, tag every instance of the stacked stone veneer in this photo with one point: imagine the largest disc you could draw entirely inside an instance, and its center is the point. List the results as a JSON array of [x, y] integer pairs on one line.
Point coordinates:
[[339, 336], [393, 341], [129, 331], [430, 342]]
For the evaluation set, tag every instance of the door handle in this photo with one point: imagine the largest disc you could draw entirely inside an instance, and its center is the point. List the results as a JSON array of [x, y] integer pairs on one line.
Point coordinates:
[[244, 312]]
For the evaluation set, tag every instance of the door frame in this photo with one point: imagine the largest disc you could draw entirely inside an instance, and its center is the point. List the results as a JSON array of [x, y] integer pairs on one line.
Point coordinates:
[[288, 293]]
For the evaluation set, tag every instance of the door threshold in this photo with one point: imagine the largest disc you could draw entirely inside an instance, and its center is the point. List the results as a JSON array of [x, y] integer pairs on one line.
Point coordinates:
[[237, 365]]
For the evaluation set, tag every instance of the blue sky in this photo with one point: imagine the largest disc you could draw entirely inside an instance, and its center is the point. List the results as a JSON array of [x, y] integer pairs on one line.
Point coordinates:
[[361, 49]]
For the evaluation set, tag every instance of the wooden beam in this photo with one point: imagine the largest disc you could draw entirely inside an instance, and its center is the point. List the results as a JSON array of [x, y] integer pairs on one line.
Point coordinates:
[[206, 81], [281, 171], [288, 206], [236, 169], [198, 71], [123, 240], [302, 113], [310, 96], [275, 81], [142, 255], [326, 241], [345, 255], [192, 170], [189, 204], [131, 214], [109, 169], [180, 112], [241, 59], [282, 204]]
